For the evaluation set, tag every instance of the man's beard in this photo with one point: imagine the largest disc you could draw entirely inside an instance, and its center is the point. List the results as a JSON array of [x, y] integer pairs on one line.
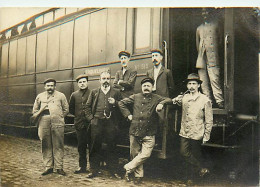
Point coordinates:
[[106, 84]]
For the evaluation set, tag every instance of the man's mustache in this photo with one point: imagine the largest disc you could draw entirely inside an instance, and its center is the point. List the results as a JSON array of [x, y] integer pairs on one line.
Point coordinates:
[[50, 89], [146, 90], [155, 61]]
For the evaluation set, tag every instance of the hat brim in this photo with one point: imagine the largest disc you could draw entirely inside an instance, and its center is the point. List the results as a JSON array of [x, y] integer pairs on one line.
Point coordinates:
[[198, 80]]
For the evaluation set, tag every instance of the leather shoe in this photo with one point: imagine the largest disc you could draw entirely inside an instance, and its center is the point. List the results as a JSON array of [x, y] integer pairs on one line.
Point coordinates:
[[127, 178], [92, 175], [48, 171], [81, 170], [138, 180], [61, 172], [203, 172]]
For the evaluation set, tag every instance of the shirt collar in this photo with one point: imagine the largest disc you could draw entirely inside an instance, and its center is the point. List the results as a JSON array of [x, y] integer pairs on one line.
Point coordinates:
[[158, 67], [194, 98]]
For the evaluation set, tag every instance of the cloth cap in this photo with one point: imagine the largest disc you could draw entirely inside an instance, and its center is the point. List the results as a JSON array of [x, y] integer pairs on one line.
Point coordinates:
[[125, 53], [193, 77], [49, 80], [147, 79], [157, 51], [81, 76]]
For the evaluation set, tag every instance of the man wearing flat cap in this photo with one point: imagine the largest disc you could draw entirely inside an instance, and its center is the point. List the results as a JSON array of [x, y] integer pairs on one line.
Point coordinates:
[[144, 122], [125, 77], [77, 105], [163, 80], [54, 107], [196, 124]]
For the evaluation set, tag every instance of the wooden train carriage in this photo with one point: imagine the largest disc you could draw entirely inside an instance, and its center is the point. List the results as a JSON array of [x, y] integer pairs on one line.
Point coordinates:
[[88, 40]]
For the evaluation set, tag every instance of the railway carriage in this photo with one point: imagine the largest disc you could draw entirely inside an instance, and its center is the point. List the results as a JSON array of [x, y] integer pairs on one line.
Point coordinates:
[[62, 43]]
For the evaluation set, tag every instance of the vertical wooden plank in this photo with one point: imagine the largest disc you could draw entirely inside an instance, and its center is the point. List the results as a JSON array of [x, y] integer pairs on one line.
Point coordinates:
[[21, 51], [41, 55], [116, 33], [4, 59], [53, 48], [30, 54], [97, 37], [13, 58], [156, 28], [130, 30], [81, 41], [66, 39]]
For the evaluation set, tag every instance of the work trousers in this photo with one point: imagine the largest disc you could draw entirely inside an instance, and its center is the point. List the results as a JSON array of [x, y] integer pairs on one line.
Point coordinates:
[[83, 137], [103, 131], [52, 140], [191, 151], [211, 76], [140, 151]]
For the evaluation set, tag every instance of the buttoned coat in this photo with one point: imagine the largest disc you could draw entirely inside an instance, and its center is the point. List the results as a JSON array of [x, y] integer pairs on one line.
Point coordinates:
[[91, 104], [145, 119], [57, 105], [77, 106], [127, 84], [207, 42], [164, 83]]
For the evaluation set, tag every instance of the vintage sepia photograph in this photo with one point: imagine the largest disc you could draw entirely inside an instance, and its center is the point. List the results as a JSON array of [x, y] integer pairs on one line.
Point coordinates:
[[129, 96]]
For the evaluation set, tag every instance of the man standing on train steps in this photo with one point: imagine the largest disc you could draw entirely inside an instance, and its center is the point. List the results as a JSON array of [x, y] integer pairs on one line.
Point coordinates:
[[102, 111], [144, 122], [54, 107], [77, 107], [125, 77]]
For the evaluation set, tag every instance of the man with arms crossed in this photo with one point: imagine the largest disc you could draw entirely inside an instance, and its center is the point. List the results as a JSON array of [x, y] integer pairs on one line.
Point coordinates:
[[54, 108], [144, 121]]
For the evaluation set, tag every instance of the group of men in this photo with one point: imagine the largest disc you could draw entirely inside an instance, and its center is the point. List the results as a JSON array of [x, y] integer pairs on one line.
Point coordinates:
[[97, 114]]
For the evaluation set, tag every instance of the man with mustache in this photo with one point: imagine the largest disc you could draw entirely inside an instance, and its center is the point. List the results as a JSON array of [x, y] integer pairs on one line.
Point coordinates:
[[54, 107], [101, 111], [163, 80], [208, 41], [196, 123], [144, 122], [77, 107]]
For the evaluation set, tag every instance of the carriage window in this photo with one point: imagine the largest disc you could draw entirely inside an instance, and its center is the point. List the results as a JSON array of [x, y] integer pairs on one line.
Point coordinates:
[[21, 49], [30, 54], [4, 60], [12, 57], [142, 38]]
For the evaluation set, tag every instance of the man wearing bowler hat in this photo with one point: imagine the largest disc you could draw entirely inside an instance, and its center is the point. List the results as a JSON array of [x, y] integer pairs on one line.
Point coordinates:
[[125, 77], [196, 124], [54, 107], [77, 106], [144, 122]]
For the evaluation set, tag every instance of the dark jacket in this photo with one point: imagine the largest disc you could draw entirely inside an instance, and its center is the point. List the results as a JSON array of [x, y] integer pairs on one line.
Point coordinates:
[[164, 83], [91, 104], [128, 82], [145, 118], [77, 105]]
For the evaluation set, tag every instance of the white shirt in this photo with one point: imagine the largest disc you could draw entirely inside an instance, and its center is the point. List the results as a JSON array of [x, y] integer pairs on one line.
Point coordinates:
[[124, 70], [156, 71], [105, 90]]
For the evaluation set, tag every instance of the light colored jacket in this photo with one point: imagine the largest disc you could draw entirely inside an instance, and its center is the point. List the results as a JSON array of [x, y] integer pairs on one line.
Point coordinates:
[[197, 117], [56, 103], [207, 43]]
